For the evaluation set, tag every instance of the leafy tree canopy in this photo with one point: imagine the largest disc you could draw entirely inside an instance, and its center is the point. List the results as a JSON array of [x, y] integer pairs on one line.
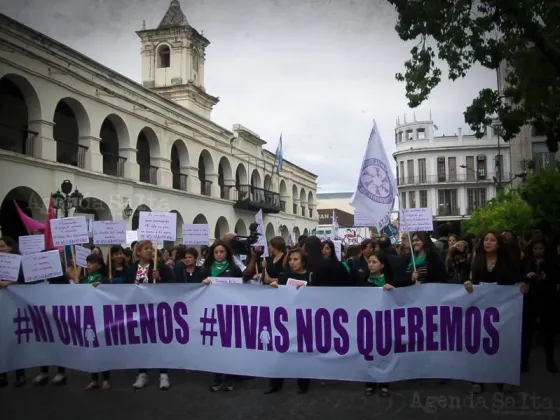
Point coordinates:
[[507, 211], [525, 34], [542, 193]]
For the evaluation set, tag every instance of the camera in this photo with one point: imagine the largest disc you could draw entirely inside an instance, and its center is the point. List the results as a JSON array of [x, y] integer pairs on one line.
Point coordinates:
[[241, 245]]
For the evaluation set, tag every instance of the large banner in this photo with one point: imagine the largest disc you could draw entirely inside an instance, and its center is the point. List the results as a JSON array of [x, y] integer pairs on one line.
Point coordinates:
[[358, 334]]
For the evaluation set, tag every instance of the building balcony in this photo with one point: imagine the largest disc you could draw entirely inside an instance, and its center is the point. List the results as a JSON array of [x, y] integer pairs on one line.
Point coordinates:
[[70, 153], [148, 174], [180, 181], [113, 165], [225, 192], [17, 140], [452, 178], [448, 211], [206, 187], [254, 199]]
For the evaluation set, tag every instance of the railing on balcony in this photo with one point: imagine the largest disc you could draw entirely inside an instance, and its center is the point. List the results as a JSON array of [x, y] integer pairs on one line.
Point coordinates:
[[113, 165], [255, 199], [310, 213], [225, 192], [148, 174], [294, 209], [448, 211], [17, 140], [70, 153], [282, 205], [206, 187], [180, 181], [450, 178]]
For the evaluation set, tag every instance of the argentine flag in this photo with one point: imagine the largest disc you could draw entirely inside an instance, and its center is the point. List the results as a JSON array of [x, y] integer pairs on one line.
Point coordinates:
[[279, 156]]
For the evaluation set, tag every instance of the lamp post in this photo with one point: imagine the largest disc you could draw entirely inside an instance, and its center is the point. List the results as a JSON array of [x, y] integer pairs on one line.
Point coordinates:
[[127, 212], [66, 200]]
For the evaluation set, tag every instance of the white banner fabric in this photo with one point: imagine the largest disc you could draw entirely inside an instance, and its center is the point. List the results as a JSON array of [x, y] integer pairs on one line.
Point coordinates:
[[358, 334]]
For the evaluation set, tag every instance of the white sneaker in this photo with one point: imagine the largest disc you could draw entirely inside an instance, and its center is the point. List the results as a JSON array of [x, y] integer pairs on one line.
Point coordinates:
[[141, 381], [41, 379], [164, 384]]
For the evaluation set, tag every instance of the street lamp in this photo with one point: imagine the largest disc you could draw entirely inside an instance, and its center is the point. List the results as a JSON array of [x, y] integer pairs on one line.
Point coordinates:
[[127, 212], [66, 200]]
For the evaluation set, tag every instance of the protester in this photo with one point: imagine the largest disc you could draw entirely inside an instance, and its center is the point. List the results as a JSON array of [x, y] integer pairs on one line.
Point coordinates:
[[276, 263], [185, 269], [118, 264], [398, 264], [425, 266]]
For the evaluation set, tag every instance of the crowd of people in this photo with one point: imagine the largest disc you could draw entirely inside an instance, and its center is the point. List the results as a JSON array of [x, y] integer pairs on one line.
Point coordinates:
[[502, 258]]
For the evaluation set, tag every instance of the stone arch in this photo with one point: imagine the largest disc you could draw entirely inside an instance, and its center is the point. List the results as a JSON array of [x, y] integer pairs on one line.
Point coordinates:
[[256, 180], [283, 189], [163, 54], [200, 219], [147, 147], [205, 169], [136, 215], [297, 233], [180, 161], [96, 207], [30, 203], [179, 232], [71, 122], [240, 228], [241, 176], [19, 105], [269, 232], [310, 199], [268, 183], [222, 227], [114, 137], [224, 178], [306, 232], [284, 232], [302, 197]]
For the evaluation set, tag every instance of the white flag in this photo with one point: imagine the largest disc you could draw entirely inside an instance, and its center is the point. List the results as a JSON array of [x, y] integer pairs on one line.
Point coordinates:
[[260, 230], [377, 187]]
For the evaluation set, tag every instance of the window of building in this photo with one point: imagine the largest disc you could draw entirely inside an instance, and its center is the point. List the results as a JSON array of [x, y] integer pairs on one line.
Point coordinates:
[[410, 134], [476, 197], [396, 137], [441, 169], [423, 198], [452, 168], [400, 136], [164, 57], [195, 61], [403, 200], [421, 134], [412, 199], [499, 166], [422, 170], [481, 167], [447, 203], [401, 174], [535, 132], [471, 173], [410, 169]]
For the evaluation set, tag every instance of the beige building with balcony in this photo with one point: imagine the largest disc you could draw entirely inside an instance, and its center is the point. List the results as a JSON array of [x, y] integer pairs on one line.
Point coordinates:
[[451, 175], [146, 146]]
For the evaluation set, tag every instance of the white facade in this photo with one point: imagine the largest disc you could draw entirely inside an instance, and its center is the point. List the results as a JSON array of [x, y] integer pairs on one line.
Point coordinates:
[[452, 175], [64, 116]]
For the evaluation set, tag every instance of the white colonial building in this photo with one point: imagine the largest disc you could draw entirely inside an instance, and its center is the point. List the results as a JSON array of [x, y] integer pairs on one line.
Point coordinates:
[[452, 175], [125, 145]]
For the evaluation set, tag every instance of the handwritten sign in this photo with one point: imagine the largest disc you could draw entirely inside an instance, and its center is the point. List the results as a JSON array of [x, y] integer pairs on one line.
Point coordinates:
[[131, 236], [196, 234], [44, 265], [81, 254], [362, 220], [416, 220], [157, 226], [31, 244], [226, 280], [295, 283], [109, 232], [338, 249], [9, 266], [69, 231]]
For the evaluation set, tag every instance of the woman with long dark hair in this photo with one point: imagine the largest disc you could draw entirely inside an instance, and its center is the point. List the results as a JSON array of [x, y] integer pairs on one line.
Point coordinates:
[[328, 250], [426, 265], [541, 273], [276, 263], [492, 264], [325, 272]]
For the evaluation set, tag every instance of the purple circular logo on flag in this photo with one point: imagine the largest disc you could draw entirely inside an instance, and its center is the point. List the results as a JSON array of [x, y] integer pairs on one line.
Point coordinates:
[[375, 182]]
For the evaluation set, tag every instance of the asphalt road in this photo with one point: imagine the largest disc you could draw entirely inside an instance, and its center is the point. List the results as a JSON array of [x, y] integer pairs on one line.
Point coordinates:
[[189, 398]]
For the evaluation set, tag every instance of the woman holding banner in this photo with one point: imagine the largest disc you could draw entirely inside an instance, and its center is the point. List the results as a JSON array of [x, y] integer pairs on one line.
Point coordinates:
[[220, 263], [426, 265], [148, 269]]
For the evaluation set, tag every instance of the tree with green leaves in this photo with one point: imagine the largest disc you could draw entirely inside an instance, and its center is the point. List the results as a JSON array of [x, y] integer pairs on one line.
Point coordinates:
[[507, 211], [522, 34], [542, 193]]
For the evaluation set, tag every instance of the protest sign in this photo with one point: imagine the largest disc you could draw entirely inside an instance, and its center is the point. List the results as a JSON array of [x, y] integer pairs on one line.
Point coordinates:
[[157, 226], [109, 232], [416, 220], [196, 234], [9, 266], [343, 333], [42, 266], [69, 231], [31, 244]]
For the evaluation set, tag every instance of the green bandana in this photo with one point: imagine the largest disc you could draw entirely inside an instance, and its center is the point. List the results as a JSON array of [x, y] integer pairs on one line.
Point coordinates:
[[420, 261], [218, 268], [92, 278], [346, 265], [378, 281]]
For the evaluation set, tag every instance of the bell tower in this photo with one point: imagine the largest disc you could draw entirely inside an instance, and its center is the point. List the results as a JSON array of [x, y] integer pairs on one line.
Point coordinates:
[[173, 57]]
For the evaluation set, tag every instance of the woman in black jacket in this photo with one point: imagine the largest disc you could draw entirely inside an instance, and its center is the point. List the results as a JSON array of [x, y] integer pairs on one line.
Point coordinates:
[[541, 273], [325, 272], [426, 265], [9, 246], [219, 263], [185, 269]]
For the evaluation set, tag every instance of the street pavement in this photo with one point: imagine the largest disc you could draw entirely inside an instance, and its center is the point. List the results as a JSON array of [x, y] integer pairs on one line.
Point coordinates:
[[189, 398]]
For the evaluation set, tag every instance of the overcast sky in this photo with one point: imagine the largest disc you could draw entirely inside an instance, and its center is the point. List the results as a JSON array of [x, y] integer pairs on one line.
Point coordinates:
[[319, 71]]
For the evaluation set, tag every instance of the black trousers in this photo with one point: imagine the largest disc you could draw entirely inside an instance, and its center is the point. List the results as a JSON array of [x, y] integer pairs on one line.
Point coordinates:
[[277, 383], [538, 316], [146, 371], [105, 375], [20, 373], [375, 385]]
